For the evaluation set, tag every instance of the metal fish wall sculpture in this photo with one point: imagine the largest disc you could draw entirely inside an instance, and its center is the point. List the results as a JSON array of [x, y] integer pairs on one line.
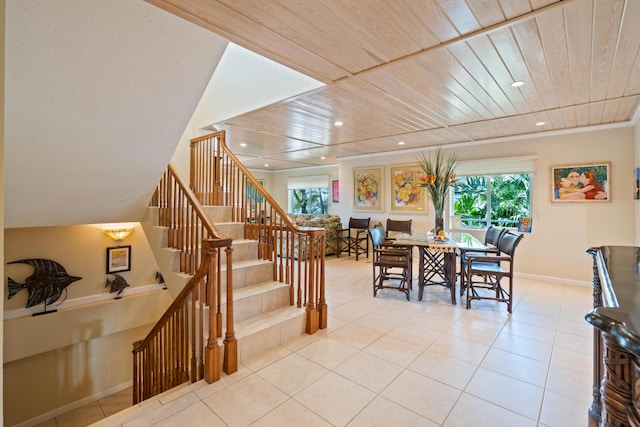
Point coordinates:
[[117, 285], [46, 283], [160, 280]]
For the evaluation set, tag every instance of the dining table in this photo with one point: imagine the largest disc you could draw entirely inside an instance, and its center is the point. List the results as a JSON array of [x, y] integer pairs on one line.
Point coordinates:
[[437, 258]]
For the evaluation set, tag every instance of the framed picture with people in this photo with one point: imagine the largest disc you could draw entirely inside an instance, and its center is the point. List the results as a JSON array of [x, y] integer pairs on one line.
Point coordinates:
[[581, 183]]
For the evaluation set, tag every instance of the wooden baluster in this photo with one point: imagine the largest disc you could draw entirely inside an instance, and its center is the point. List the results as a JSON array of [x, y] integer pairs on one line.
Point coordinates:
[[217, 288]]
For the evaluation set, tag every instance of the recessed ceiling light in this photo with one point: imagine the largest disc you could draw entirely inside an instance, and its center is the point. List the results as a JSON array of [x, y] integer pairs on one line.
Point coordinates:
[[338, 123], [266, 165], [540, 124], [517, 83], [401, 143], [322, 158], [243, 145]]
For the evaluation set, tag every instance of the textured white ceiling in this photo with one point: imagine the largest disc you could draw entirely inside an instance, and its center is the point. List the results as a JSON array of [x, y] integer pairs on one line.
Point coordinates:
[[98, 94]]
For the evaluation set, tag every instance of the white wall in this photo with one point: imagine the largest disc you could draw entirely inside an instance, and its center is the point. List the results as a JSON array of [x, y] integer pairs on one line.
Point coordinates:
[[561, 231], [280, 180], [2, 21], [242, 82], [94, 90], [55, 361]]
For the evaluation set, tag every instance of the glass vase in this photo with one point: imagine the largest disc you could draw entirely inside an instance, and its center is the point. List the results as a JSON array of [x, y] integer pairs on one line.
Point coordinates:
[[439, 223]]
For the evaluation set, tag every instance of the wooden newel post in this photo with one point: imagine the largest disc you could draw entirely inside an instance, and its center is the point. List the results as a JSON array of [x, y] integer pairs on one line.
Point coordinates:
[[312, 312], [230, 364], [212, 351], [322, 303]]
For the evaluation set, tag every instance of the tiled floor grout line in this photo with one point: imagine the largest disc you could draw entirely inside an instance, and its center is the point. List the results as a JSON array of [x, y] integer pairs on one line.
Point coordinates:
[[530, 312]]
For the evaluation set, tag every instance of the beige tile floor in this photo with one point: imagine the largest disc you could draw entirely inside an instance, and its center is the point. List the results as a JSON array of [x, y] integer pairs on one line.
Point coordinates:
[[389, 362]]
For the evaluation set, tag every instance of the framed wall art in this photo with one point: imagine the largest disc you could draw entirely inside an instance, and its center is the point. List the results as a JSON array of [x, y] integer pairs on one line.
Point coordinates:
[[581, 183], [118, 259], [253, 195], [368, 188], [405, 194], [335, 191]]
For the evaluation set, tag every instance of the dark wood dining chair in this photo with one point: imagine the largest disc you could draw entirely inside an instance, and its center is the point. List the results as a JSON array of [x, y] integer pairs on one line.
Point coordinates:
[[353, 238], [491, 239], [397, 226], [485, 272], [391, 264]]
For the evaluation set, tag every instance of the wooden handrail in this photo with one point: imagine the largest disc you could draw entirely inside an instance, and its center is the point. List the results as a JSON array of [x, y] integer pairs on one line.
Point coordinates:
[[174, 351], [297, 253], [182, 213]]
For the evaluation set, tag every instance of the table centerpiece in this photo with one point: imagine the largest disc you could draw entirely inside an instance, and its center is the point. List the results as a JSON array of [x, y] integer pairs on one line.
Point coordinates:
[[439, 174]]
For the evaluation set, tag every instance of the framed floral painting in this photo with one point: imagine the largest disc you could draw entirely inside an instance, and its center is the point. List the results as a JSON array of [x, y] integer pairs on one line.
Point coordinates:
[[405, 194], [368, 186]]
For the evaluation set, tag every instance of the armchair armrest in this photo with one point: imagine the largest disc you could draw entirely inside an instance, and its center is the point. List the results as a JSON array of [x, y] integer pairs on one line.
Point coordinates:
[[390, 251], [471, 252], [473, 259]]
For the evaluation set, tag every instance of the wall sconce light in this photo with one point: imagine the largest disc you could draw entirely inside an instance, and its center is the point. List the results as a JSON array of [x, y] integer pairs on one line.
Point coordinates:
[[118, 234]]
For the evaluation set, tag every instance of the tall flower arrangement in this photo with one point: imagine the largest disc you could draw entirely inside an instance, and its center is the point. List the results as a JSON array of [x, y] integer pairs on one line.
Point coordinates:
[[439, 174]]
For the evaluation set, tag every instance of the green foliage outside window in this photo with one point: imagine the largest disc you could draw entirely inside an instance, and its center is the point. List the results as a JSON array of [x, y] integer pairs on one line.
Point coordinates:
[[309, 200], [508, 198]]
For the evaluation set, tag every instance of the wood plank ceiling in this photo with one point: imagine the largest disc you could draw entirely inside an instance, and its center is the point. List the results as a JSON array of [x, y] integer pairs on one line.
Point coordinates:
[[426, 72]]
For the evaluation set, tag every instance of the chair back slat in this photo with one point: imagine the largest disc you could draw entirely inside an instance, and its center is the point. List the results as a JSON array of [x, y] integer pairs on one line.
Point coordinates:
[[359, 222], [400, 226], [508, 242], [493, 235]]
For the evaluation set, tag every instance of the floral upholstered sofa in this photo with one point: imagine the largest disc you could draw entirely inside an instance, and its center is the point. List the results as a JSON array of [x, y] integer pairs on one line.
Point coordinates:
[[331, 223]]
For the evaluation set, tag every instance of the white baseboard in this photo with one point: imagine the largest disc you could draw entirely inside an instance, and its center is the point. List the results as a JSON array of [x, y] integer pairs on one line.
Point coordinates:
[[554, 279], [75, 405]]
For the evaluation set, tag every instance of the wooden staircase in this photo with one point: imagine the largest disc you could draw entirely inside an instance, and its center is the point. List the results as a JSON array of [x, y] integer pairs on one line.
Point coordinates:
[[264, 317], [238, 268]]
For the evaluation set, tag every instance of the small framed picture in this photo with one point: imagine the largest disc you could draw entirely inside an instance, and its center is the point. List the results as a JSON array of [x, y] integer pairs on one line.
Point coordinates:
[[524, 225], [335, 191], [581, 183], [118, 259], [254, 197]]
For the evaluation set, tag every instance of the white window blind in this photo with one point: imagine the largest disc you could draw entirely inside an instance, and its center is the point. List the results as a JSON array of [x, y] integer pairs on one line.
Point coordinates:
[[302, 182], [498, 166]]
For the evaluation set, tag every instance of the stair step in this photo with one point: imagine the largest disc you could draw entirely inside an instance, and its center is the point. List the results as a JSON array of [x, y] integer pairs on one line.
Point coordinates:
[[267, 330], [257, 289], [235, 230], [253, 300]]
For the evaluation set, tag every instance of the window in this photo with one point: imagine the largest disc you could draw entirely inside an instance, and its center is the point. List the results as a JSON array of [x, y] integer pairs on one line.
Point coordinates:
[[493, 192], [483, 200], [308, 194]]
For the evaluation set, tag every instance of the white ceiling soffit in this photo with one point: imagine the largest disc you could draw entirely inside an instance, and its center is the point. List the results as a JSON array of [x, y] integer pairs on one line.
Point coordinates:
[[98, 94], [246, 81]]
